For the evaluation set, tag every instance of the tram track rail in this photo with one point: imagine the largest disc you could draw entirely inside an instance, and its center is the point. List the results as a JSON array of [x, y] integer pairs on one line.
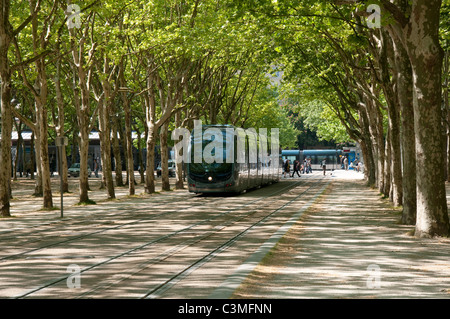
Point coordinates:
[[70, 221], [176, 248], [160, 289], [22, 254], [129, 212]]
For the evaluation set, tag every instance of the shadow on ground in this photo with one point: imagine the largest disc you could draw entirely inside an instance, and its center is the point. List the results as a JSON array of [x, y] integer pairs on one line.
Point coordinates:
[[351, 245]]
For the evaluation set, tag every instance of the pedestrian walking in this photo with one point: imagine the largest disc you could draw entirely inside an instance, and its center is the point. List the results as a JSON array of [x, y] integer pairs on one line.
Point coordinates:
[[96, 167], [52, 166], [296, 168], [28, 168], [308, 166], [287, 168], [346, 163], [324, 167]]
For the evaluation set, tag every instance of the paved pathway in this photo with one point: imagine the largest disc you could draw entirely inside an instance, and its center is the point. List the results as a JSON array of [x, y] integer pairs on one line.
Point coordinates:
[[349, 244]]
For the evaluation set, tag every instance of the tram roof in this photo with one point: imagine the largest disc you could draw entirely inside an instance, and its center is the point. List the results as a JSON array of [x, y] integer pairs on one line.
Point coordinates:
[[310, 152], [290, 152], [321, 152]]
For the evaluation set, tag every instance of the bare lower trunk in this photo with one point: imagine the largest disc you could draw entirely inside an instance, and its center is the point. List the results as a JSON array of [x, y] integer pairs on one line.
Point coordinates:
[[116, 151], [130, 162], [387, 166], [179, 166], [151, 129], [405, 99], [150, 175], [426, 60], [164, 157], [60, 128], [18, 147], [44, 160], [38, 190], [64, 170], [5, 142], [32, 156], [84, 152], [447, 106], [103, 118], [140, 157], [367, 149], [396, 161], [377, 137]]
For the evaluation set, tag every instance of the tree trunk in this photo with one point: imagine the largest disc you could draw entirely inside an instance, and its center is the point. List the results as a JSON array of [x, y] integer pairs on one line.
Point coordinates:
[[164, 157], [32, 156], [140, 158], [151, 129], [18, 147], [83, 178], [425, 53], [396, 159], [150, 176], [82, 106], [42, 126], [105, 144], [405, 98], [38, 190], [60, 127], [367, 149], [447, 106], [130, 162], [116, 151], [83, 125], [6, 126], [387, 166], [375, 120], [179, 166], [386, 60]]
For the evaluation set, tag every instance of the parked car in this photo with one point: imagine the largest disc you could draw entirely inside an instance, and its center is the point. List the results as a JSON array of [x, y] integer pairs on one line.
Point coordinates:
[[74, 170], [172, 169]]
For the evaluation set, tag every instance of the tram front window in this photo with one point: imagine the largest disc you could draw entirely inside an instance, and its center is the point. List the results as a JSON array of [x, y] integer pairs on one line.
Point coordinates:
[[210, 172]]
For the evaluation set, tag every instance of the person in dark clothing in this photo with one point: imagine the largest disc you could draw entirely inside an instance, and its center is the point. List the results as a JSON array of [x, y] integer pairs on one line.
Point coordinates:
[[287, 168], [52, 166], [96, 167], [324, 167], [296, 169]]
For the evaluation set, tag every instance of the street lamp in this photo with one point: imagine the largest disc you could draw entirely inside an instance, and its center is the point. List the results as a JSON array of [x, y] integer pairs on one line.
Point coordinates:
[[60, 142]]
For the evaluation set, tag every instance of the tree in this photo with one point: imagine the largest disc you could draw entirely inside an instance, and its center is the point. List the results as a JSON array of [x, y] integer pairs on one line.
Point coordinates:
[[82, 67], [39, 90], [8, 32], [377, 95]]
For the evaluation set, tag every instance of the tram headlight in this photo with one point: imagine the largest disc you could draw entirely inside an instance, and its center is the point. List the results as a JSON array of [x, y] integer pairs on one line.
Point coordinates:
[[210, 178]]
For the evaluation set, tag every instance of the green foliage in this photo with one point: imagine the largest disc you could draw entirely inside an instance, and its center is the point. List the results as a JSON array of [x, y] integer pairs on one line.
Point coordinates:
[[244, 39]]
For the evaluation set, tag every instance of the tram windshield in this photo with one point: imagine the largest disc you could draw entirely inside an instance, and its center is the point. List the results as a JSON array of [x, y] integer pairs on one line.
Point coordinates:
[[211, 160]]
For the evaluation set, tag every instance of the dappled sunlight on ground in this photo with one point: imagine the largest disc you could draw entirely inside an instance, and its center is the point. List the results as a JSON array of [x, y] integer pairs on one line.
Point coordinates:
[[350, 245]]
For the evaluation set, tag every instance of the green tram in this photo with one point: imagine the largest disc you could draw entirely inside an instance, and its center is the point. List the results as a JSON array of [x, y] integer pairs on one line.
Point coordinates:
[[226, 159]]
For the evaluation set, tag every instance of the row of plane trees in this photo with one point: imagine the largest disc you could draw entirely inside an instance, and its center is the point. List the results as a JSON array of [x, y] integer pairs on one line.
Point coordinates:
[[119, 66]]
